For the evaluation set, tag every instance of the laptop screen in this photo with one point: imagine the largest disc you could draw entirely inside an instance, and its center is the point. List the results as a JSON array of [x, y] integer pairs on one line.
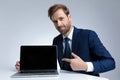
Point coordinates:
[[38, 58]]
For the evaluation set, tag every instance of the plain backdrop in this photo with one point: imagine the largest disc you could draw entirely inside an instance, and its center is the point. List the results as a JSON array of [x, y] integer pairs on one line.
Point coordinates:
[[26, 22]]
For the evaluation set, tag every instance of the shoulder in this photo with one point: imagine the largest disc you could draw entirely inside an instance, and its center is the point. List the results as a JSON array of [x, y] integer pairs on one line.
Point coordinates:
[[57, 39], [84, 31]]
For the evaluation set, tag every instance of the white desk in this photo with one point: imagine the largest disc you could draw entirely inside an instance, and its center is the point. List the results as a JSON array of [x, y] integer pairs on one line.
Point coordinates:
[[63, 75]]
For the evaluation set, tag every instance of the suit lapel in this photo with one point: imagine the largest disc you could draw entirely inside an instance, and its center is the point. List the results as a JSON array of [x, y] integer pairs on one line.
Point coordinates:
[[60, 50], [75, 40]]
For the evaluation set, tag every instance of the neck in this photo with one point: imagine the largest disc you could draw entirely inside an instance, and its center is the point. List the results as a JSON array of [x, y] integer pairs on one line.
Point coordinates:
[[68, 32]]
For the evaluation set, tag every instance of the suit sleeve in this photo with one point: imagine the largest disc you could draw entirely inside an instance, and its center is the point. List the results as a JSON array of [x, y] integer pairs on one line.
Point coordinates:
[[102, 60]]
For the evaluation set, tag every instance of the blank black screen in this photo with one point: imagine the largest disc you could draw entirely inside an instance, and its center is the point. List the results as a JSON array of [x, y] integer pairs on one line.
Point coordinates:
[[38, 58]]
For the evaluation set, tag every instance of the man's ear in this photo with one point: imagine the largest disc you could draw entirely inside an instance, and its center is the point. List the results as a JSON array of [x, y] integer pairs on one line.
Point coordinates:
[[69, 16]]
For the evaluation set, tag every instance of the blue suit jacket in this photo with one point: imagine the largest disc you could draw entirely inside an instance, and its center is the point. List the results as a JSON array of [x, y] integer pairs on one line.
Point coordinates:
[[87, 45]]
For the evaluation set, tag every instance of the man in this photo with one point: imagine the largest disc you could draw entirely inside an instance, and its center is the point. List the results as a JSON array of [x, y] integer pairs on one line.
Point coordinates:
[[79, 50]]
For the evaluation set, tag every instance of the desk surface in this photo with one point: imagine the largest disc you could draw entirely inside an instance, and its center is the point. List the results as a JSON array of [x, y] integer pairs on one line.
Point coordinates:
[[63, 75]]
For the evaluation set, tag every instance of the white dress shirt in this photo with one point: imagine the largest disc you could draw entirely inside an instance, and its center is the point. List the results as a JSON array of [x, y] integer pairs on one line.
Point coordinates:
[[90, 67]]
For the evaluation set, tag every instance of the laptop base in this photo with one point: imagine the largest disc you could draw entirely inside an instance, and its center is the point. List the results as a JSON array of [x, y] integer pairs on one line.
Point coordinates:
[[31, 75]]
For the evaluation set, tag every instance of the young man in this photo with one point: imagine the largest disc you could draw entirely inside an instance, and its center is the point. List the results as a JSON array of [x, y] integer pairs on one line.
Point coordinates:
[[79, 50]]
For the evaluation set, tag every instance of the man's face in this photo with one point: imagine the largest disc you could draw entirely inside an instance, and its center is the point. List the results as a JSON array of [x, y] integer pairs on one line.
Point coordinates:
[[62, 21]]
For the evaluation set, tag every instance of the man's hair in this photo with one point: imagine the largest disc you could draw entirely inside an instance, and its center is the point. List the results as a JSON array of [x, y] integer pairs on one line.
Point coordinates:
[[55, 7]]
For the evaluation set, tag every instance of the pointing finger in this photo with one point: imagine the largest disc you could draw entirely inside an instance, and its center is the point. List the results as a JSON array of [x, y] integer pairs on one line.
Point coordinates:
[[74, 55], [66, 60]]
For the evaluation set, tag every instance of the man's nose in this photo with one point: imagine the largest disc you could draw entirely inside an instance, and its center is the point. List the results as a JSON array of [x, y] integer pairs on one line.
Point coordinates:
[[59, 23]]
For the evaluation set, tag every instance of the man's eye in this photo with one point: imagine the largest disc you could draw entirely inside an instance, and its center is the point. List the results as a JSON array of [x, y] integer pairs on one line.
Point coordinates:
[[55, 21], [60, 19]]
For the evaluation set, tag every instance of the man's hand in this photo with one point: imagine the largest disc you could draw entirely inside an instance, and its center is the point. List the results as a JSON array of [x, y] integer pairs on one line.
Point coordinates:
[[17, 65], [77, 64]]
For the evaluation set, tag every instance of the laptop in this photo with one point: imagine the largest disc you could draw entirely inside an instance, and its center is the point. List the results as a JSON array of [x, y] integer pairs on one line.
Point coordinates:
[[37, 60]]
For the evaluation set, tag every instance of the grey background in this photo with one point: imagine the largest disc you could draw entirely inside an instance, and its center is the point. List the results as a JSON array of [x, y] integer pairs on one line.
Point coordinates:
[[26, 22]]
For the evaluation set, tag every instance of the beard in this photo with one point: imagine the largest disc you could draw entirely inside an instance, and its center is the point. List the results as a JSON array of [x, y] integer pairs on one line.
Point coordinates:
[[64, 29]]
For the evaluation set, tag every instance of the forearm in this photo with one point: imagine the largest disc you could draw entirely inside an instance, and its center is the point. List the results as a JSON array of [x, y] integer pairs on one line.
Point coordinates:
[[103, 65]]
